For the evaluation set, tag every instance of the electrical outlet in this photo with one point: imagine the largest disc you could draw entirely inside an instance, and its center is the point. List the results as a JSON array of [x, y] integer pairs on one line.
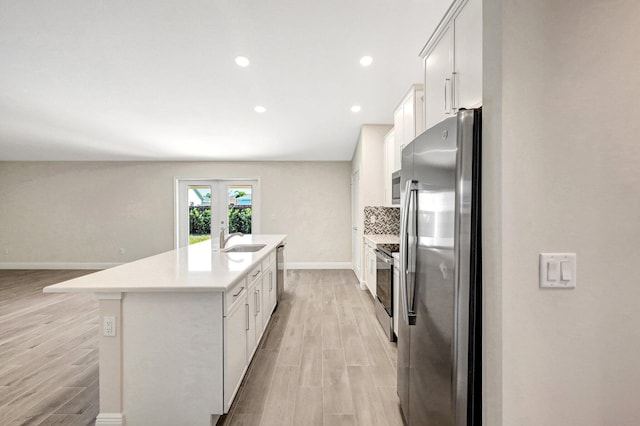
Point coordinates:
[[109, 326], [121, 251], [5, 250]]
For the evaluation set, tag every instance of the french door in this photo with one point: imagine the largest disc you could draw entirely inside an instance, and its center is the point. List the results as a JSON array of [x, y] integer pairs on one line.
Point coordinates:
[[205, 207]]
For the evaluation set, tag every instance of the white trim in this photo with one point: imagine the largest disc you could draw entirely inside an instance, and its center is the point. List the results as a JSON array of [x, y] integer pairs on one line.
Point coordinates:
[[319, 265], [110, 419], [57, 265], [446, 20]]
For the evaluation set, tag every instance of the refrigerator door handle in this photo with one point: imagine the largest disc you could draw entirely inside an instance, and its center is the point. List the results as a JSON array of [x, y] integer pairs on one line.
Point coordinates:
[[407, 255]]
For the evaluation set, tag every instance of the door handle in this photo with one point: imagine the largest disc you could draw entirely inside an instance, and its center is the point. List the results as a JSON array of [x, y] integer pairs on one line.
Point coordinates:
[[246, 327], [454, 103], [447, 82], [407, 256], [239, 291]]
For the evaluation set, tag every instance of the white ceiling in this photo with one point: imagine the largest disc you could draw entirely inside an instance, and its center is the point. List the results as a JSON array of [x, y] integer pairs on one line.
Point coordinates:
[[156, 80]]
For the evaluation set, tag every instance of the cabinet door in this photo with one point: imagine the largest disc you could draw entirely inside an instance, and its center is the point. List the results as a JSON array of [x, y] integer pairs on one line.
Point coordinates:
[[398, 125], [273, 291], [371, 270], [251, 322], [235, 349], [418, 105], [438, 83], [468, 55], [268, 297], [389, 164], [258, 317], [408, 119]]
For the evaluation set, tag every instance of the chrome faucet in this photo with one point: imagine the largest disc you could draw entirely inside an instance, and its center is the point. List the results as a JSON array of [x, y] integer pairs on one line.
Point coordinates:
[[223, 240]]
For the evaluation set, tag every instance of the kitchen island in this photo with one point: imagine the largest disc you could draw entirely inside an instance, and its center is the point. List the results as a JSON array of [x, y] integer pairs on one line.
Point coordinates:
[[179, 329]]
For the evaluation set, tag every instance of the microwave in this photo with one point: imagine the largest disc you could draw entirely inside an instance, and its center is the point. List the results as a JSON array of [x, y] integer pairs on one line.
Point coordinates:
[[395, 187]]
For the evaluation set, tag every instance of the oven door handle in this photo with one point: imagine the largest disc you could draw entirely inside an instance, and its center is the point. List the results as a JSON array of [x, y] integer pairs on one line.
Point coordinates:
[[380, 255]]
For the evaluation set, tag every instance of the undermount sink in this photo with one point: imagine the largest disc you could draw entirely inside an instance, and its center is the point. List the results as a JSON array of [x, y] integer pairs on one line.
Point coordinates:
[[244, 248]]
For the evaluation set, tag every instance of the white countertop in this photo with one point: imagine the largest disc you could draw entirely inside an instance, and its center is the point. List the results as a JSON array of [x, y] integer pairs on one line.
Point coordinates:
[[383, 238], [198, 267]]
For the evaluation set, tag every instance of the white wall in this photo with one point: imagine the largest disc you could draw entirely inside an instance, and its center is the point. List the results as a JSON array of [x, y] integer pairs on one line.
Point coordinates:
[[368, 161], [561, 175], [83, 212]]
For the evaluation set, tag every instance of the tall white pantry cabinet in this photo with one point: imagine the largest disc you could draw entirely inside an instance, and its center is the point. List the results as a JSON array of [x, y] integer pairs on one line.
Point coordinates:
[[453, 62]]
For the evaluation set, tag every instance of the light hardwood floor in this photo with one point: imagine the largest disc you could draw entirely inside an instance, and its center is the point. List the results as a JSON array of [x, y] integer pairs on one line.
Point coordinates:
[[322, 361], [48, 351]]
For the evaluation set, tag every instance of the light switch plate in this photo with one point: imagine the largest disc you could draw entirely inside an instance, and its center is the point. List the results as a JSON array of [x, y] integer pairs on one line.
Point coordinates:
[[558, 270]]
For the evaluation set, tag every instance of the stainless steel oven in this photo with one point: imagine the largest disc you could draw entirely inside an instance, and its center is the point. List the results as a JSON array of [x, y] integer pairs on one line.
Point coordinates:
[[384, 292]]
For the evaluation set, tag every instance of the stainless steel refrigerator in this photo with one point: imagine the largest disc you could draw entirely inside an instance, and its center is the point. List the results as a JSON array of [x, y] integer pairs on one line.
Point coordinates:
[[439, 329]]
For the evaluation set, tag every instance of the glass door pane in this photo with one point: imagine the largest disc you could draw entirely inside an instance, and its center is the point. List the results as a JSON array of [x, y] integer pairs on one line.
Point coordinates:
[[199, 199], [239, 208]]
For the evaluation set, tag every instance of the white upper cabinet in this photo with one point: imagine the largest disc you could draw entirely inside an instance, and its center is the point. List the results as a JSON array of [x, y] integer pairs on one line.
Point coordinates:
[[389, 164], [398, 136], [453, 63], [407, 121], [438, 72], [468, 55]]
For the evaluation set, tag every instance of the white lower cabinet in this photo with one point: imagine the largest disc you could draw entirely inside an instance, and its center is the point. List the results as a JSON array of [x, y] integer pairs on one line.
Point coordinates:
[[235, 349], [250, 304], [269, 289], [254, 328], [370, 263]]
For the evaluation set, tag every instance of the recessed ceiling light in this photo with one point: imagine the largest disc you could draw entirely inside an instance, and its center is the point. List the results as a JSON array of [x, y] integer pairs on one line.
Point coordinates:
[[365, 61], [260, 109], [242, 61], [356, 108]]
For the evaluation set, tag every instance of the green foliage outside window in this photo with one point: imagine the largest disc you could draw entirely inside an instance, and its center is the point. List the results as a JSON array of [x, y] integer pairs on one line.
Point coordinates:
[[200, 219], [240, 220]]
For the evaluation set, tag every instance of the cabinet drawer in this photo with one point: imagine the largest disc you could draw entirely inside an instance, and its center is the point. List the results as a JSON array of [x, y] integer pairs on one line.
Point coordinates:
[[235, 294], [254, 274]]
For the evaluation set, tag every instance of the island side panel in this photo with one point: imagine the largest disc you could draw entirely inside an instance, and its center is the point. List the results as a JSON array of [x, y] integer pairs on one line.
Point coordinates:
[[110, 362], [172, 357]]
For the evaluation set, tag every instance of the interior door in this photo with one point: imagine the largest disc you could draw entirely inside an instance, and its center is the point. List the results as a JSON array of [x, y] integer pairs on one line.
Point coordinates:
[[356, 241]]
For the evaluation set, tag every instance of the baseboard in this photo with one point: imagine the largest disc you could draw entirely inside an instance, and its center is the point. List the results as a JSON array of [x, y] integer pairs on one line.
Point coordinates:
[[319, 265], [110, 419], [56, 265]]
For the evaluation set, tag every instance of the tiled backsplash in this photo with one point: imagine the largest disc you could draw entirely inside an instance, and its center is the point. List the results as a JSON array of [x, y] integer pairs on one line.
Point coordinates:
[[381, 220]]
